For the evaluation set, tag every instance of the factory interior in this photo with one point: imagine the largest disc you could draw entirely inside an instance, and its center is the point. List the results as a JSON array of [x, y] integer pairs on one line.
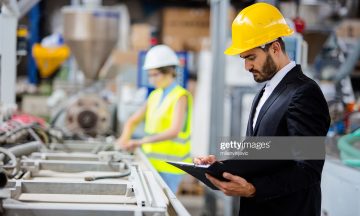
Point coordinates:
[[91, 92]]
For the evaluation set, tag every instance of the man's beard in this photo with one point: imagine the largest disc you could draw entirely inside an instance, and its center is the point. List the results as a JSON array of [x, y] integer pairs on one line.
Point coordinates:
[[268, 70]]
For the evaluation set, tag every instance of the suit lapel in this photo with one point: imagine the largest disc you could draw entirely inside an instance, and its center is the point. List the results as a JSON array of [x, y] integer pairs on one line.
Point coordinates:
[[290, 76], [274, 95]]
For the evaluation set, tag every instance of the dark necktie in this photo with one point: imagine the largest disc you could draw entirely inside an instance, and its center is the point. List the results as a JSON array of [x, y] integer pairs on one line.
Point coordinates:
[[253, 111]]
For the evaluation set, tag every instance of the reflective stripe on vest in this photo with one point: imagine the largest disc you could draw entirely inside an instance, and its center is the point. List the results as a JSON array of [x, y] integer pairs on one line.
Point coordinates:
[[182, 141], [177, 139], [159, 119]]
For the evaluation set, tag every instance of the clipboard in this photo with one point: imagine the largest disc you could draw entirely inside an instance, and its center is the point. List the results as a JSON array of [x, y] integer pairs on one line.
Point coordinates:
[[198, 171], [247, 169]]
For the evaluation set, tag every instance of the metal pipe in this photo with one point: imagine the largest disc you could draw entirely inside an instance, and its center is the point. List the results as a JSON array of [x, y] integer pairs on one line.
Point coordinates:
[[23, 149], [219, 34], [219, 30], [26, 149], [13, 159]]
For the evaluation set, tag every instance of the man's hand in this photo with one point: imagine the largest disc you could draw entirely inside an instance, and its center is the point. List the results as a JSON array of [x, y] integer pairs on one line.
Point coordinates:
[[237, 186], [205, 160]]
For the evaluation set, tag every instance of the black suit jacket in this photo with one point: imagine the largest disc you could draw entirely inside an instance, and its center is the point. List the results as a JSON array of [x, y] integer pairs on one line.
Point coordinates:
[[296, 107]]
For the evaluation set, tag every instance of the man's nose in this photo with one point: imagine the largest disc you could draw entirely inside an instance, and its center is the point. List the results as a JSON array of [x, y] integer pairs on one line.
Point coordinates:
[[248, 66]]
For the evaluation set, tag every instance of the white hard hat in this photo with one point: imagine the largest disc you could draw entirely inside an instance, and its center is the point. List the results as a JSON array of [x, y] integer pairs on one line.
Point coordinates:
[[160, 56]]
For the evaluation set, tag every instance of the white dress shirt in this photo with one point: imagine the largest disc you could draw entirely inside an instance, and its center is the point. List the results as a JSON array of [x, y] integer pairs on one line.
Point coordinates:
[[270, 86]]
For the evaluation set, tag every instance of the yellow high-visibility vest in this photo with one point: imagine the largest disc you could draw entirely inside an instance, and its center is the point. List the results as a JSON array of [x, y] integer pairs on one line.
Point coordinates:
[[158, 119]]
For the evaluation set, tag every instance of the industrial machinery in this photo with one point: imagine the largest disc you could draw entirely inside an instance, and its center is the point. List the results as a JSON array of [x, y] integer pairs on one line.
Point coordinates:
[[10, 12], [91, 34], [88, 114], [42, 172], [82, 178]]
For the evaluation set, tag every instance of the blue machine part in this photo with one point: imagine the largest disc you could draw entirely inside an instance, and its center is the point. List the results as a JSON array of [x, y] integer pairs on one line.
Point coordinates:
[[182, 71], [293, 47], [34, 18]]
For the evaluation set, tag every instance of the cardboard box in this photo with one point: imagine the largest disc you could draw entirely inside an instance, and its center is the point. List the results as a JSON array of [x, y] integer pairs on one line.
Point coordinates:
[[140, 36], [195, 21], [189, 44], [185, 28], [174, 42], [349, 29], [189, 28], [125, 57], [35, 105]]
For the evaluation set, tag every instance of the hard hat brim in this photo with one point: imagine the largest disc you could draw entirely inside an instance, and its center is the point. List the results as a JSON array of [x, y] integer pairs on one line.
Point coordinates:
[[232, 51]]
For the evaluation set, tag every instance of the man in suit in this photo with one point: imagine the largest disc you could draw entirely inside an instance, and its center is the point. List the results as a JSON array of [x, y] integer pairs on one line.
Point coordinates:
[[289, 104]]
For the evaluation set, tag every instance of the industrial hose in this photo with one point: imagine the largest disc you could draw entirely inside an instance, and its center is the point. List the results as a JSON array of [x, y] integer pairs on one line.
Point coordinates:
[[349, 154], [26, 148], [12, 157], [120, 175], [17, 151]]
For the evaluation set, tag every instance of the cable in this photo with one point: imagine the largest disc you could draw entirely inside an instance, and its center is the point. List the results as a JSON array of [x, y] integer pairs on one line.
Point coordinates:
[[121, 175], [17, 129], [12, 158], [43, 134], [34, 135], [93, 178], [35, 130], [57, 115]]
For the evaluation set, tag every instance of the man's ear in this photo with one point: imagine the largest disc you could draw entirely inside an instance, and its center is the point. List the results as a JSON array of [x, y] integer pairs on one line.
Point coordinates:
[[276, 48]]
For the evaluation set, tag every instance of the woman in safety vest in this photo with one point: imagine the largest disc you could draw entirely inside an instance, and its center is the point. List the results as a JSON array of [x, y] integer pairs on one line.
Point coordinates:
[[167, 113]]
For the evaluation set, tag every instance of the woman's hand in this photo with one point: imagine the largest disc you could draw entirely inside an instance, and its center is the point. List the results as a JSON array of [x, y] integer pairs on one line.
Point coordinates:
[[121, 142], [204, 160], [131, 145]]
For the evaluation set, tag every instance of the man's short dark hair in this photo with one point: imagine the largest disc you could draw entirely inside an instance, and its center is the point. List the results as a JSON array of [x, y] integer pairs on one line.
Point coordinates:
[[280, 41]]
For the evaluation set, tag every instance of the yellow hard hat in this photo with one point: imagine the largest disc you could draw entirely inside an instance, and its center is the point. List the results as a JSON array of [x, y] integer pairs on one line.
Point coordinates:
[[255, 26]]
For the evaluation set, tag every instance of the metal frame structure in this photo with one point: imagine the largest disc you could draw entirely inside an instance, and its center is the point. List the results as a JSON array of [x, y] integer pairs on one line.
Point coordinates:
[[219, 33], [7, 57], [56, 183], [11, 12]]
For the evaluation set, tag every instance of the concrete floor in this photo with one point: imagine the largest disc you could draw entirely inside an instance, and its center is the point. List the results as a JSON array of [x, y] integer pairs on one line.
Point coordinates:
[[195, 205]]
